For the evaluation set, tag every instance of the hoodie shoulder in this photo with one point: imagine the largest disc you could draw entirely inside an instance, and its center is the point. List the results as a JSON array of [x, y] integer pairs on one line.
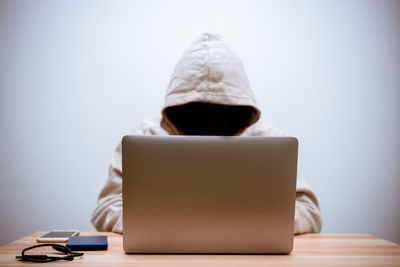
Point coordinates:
[[150, 126], [262, 129]]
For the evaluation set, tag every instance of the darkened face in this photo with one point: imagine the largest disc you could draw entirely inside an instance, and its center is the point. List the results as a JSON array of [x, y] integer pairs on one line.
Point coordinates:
[[198, 118]]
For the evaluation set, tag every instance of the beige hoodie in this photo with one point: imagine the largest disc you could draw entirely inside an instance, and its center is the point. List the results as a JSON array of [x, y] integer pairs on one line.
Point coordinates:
[[208, 72]]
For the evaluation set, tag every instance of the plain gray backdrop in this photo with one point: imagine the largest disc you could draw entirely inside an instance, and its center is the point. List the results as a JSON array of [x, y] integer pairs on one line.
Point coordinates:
[[75, 76]]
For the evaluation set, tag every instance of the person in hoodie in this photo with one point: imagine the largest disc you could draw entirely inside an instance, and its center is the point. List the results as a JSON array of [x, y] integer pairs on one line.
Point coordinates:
[[208, 94]]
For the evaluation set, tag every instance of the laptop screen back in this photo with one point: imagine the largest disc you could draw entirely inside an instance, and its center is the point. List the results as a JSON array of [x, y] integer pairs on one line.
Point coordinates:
[[196, 194]]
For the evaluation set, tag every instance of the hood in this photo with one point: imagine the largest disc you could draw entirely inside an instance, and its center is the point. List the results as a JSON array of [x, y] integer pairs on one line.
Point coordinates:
[[209, 72]]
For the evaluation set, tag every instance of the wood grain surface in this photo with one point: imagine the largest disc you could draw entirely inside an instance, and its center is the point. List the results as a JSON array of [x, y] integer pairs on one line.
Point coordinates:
[[309, 250]]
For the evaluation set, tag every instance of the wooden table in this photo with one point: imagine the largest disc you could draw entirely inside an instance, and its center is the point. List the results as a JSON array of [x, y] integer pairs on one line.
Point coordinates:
[[309, 250]]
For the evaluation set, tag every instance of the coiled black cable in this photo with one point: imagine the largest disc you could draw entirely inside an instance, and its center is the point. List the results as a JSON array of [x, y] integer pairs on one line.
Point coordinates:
[[69, 254]]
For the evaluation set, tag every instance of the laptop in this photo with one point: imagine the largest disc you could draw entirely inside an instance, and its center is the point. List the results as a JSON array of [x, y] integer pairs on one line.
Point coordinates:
[[208, 194]]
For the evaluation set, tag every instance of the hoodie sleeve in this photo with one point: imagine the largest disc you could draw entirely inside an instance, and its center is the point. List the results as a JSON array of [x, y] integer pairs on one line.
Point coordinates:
[[108, 214], [307, 215], [307, 212]]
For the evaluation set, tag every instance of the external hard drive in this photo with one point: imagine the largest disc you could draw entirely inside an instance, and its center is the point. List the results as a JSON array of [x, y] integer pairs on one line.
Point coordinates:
[[82, 243]]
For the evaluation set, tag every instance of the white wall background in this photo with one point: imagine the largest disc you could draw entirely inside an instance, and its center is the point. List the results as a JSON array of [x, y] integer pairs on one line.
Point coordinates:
[[75, 76]]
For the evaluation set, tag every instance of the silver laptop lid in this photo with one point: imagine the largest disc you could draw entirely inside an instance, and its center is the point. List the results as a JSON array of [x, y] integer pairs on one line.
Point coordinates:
[[196, 194]]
